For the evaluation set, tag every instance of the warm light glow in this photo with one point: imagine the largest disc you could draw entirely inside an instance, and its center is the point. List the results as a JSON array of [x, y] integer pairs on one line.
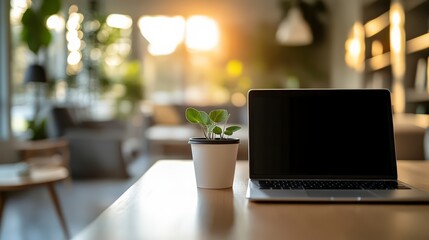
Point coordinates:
[[74, 69], [74, 58], [74, 21], [376, 25], [398, 97], [355, 48], [397, 56], [71, 35], [163, 33], [202, 33], [74, 45], [116, 53], [19, 124], [18, 8], [160, 50], [56, 22], [238, 99], [395, 36], [418, 43], [73, 9], [376, 48], [379, 61], [119, 21], [397, 39], [23, 4], [234, 68], [396, 16], [74, 38]]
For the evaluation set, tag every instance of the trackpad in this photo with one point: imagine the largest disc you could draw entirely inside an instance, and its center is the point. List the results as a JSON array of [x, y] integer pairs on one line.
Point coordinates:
[[340, 194]]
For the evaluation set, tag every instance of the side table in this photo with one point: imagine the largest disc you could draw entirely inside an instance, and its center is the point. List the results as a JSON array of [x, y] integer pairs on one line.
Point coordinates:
[[45, 148], [38, 176]]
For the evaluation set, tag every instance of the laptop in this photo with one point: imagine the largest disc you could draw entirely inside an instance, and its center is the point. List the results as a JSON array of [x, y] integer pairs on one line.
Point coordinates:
[[324, 145]]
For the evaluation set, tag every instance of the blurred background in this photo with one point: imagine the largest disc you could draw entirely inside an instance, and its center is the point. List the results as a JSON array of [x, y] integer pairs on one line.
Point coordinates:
[[112, 78], [116, 56]]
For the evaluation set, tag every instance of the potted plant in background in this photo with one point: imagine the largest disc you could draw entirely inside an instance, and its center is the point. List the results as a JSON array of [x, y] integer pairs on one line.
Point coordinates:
[[36, 35], [215, 154]]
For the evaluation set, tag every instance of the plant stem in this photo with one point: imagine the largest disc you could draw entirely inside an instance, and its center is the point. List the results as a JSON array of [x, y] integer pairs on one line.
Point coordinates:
[[204, 131], [224, 126]]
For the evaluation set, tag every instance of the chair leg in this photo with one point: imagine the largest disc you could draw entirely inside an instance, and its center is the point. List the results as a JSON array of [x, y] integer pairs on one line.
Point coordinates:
[[57, 206]]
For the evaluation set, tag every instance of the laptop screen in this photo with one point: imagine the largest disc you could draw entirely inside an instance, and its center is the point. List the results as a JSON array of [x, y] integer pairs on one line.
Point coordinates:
[[321, 133]]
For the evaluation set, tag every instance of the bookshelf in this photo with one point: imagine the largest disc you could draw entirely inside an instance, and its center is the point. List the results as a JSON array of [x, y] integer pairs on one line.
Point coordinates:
[[378, 66]]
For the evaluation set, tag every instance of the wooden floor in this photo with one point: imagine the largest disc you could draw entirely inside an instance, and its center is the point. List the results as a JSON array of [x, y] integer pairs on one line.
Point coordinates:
[[29, 214]]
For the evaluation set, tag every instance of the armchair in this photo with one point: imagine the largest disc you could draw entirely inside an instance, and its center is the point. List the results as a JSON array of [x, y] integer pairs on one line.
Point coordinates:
[[96, 147]]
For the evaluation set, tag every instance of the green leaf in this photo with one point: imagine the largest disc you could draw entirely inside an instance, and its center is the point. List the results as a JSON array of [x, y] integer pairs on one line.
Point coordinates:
[[45, 36], [29, 17], [34, 31], [218, 115], [192, 115], [227, 132], [204, 118], [217, 130], [34, 39], [50, 7], [233, 128]]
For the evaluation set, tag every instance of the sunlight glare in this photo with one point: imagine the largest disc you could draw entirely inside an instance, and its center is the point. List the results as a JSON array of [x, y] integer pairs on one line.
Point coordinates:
[[202, 33], [163, 33], [119, 21], [56, 23]]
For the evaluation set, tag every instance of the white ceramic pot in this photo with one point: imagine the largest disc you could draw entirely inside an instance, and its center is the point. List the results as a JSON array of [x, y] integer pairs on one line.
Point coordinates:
[[214, 161]]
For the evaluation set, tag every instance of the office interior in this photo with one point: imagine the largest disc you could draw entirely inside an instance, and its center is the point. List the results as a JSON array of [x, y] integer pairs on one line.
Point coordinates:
[[113, 79]]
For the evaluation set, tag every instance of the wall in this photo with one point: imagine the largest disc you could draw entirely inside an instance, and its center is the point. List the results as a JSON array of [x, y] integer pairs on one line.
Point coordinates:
[[343, 16]]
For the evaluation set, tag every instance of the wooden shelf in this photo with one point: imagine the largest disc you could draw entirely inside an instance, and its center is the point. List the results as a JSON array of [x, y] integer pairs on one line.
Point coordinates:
[[418, 44], [378, 62]]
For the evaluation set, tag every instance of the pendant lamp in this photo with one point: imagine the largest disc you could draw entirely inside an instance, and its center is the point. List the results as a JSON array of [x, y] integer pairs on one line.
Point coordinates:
[[294, 30]]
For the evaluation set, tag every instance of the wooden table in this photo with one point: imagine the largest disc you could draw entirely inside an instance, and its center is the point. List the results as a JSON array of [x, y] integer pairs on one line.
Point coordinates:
[[166, 204], [46, 176], [44, 148]]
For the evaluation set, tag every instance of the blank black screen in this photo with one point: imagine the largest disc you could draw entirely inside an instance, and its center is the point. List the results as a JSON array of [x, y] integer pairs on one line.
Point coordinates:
[[321, 133]]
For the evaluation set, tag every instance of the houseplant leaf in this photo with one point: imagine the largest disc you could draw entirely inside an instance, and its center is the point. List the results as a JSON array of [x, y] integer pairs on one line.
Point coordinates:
[[34, 30], [230, 130], [204, 118], [218, 115], [192, 115], [30, 30], [217, 130], [209, 122]]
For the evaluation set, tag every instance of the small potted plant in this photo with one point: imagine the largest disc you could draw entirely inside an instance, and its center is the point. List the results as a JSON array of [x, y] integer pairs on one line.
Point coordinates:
[[215, 154]]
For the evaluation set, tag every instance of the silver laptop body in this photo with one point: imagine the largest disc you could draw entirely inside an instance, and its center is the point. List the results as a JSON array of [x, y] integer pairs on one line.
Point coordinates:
[[322, 145]]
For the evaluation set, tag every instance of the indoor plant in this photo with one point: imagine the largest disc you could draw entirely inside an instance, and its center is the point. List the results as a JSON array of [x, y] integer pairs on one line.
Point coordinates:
[[36, 35], [214, 155]]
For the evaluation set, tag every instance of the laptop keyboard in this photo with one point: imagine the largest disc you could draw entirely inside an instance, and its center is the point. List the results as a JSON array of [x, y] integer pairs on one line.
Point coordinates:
[[330, 184]]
